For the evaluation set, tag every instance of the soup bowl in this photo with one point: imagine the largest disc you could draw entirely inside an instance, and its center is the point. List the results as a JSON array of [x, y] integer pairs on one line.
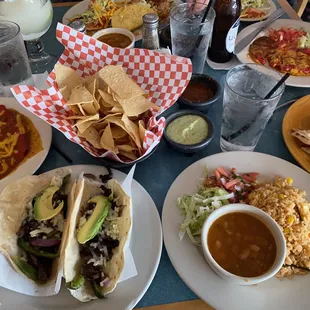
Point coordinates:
[[269, 222], [125, 32]]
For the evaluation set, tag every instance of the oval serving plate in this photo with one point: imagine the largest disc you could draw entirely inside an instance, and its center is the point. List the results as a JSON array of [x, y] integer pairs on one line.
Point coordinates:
[[32, 164], [269, 7], [297, 81], [297, 117]]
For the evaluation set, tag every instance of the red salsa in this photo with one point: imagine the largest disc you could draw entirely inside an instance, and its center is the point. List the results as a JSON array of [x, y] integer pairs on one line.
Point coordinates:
[[197, 91]]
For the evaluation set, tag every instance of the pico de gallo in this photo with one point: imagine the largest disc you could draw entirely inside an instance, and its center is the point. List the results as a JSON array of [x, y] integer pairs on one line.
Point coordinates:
[[221, 188]]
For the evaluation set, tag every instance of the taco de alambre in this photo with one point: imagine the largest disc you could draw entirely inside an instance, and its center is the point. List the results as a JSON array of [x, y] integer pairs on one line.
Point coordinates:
[[100, 222], [33, 219]]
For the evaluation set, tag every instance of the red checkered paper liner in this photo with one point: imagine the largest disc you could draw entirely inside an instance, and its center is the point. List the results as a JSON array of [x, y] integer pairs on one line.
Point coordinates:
[[164, 78]]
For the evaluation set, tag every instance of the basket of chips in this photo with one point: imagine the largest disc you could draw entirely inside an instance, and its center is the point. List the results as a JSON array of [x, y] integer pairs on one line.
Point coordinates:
[[105, 99]]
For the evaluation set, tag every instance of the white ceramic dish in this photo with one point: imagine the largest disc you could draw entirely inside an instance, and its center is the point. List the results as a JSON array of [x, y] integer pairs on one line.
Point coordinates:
[[145, 247], [269, 7], [83, 5], [297, 81], [267, 220], [32, 164], [189, 261], [125, 32]]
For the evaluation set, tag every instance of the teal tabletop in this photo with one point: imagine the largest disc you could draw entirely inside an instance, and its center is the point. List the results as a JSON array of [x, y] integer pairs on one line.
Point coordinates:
[[157, 173]]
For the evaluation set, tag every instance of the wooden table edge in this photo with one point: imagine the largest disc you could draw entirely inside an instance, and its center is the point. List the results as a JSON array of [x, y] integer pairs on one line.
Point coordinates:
[[193, 304]]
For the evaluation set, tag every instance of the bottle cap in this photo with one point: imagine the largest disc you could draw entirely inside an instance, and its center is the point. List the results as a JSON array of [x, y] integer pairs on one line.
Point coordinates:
[[78, 25], [150, 18]]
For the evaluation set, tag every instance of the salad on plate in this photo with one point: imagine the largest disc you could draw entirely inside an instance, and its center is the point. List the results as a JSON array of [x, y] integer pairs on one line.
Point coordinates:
[[221, 188]]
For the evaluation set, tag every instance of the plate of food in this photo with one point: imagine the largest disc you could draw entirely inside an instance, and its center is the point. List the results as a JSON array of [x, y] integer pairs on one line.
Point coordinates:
[[102, 14], [25, 141], [268, 183], [296, 131], [283, 46], [73, 235], [256, 10]]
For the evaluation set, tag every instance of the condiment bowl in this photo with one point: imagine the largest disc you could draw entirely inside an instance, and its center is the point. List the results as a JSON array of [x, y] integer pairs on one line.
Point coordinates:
[[125, 32], [263, 217], [189, 148], [209, 83]]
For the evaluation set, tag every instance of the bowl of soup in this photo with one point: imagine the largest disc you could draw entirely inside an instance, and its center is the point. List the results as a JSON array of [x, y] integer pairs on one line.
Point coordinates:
[[116, 37], [243, 244]]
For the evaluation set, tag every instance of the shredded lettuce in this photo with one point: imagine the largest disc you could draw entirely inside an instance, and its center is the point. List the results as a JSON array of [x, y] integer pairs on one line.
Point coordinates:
[[197, 207], [304, 41], [252, 3]]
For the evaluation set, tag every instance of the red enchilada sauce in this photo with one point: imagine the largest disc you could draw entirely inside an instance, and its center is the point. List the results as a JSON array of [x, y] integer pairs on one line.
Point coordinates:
[[19, 140]]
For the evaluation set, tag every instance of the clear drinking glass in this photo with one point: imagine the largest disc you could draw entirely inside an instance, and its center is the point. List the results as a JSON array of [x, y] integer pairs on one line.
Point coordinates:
[[245, 112], [34, 18], [189, 36], [14, 64]]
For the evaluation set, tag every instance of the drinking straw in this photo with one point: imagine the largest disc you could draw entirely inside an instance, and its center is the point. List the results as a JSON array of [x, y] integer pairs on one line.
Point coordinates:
[[209, 5], [250, 123]]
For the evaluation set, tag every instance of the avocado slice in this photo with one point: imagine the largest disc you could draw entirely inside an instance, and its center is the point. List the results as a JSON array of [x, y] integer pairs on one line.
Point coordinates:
[[43, 206], [76, 283], [91, 228], [30, 249], [26, 268]]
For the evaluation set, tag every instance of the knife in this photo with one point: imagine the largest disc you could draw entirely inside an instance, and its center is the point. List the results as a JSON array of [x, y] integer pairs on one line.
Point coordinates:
[[243, 43]]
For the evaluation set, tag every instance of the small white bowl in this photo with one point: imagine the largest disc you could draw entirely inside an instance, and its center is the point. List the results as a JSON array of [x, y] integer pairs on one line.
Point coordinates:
[[126, 32], [267, 220]]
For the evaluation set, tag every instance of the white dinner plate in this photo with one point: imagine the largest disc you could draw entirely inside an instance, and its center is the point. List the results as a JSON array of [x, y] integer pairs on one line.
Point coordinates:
[[145, 245], [82, 7], [189, 262], [297, 81], [269, 7], [32, 164]]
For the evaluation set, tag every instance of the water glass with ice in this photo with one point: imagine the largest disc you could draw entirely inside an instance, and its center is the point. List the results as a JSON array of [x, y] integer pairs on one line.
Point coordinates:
[[14, 64], [245, 111], [190, 36]]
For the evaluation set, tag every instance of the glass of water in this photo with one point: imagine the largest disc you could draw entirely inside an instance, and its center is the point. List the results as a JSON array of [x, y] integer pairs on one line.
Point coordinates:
[[245, 111], [14, 64], [189, 36], [34, 18]]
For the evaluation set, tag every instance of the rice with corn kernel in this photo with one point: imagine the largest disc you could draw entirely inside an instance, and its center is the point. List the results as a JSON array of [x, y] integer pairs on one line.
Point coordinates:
[[289, 208]]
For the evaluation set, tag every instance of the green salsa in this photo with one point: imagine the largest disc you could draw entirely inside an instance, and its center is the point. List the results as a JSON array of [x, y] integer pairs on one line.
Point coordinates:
[[188, 129]]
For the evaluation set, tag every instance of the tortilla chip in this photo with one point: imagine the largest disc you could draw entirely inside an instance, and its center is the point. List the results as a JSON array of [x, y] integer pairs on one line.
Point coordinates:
[[67, 78], [117, 110], [106, 140], [142, 130], [66, 92], [80, 94], [126, 147], [118, 132], [108, 99], [86, 122], [132, 129], [120, 83], [130, 16], [89, 108], [92, 136], [137, 106], [302, 135]]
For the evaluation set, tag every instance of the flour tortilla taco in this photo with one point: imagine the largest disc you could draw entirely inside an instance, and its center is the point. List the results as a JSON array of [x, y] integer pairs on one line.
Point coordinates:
[[100, 222], [33, 221]]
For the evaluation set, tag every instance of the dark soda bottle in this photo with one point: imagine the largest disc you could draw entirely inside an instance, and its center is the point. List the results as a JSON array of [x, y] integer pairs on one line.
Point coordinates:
[[225, 30]]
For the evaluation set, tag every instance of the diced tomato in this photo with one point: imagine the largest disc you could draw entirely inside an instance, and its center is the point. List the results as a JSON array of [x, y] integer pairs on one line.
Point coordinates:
[[306, 51], [223, 172], [231, 183], [217, 174]]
